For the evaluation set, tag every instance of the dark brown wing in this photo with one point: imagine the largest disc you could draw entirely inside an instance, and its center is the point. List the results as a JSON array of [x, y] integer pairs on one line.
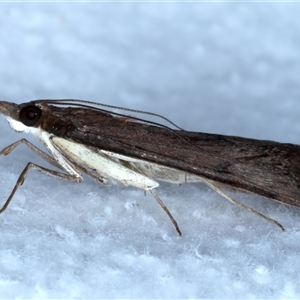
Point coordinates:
[[266, 168]]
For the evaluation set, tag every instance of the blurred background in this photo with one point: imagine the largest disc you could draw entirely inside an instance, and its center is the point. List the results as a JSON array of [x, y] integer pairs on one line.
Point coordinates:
[[209, 66]]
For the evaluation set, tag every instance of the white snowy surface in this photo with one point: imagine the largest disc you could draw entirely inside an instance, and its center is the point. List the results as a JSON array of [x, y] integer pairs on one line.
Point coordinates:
[[229, 68]]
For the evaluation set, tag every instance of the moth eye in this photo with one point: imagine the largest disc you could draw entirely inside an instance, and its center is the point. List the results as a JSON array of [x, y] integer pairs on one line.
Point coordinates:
[[29, 115]]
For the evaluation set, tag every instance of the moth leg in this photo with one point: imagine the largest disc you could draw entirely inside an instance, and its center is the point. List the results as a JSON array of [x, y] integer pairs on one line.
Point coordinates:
[[35, 149], [166, 210], [49, 172], [214, 187]]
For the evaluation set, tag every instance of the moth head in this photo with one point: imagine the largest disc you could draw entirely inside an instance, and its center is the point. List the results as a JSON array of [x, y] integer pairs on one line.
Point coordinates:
[[21, 117]]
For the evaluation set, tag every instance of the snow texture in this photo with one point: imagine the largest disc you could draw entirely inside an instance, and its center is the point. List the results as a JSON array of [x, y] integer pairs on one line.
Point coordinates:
[[228, 68]]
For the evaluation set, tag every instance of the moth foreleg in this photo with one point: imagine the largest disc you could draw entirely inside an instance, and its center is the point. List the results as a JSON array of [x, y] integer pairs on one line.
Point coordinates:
[[166, 210], [32, 147], [49, 172], [214, 187]]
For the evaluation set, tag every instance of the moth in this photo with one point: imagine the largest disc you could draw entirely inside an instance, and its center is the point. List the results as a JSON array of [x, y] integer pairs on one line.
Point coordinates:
[[84, 137]]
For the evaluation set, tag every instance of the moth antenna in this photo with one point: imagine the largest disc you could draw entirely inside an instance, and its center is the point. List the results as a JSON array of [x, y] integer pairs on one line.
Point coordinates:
[[80, 103]]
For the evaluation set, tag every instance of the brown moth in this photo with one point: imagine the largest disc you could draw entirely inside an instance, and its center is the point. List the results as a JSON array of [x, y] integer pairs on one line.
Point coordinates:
[[81, 138]]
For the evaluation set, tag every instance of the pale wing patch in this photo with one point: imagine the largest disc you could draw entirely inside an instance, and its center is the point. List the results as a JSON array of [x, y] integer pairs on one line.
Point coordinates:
[[153, 170], [103, 165]]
